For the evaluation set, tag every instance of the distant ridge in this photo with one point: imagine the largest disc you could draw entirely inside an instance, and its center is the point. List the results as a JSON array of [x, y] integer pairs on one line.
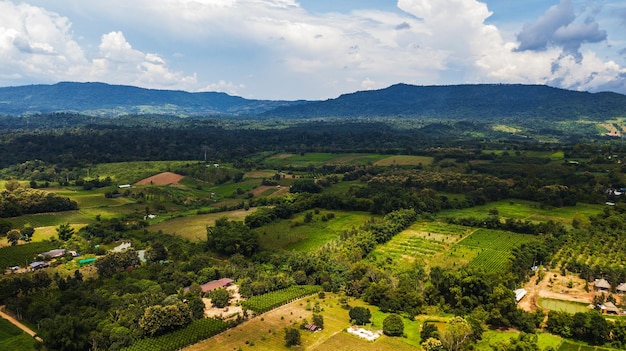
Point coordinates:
[[480, 101], [100, 99]]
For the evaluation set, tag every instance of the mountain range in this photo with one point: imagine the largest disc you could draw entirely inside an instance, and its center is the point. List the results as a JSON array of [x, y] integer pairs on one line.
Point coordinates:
[[480, 101]]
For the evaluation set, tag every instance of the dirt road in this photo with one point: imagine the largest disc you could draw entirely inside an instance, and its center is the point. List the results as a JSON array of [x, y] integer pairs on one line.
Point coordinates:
[[17, 323]]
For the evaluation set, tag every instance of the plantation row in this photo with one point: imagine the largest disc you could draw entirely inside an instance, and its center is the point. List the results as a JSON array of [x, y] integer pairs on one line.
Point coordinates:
[[263, 303], [15, 255], [198, 330]]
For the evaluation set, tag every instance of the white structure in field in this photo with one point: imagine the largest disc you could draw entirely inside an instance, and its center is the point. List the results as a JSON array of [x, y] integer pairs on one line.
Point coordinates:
[[364, 333]]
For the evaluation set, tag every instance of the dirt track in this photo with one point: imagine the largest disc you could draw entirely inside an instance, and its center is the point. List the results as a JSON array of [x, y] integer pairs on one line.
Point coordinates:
[[17, 323]]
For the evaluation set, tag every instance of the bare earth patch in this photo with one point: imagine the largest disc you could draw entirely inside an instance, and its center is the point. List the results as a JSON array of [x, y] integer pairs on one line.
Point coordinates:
[[165, 178], [555, 288], [231, 310]]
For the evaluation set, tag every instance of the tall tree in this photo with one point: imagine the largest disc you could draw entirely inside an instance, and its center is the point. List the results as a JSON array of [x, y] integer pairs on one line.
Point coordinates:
[[13, 236], [65, 232]]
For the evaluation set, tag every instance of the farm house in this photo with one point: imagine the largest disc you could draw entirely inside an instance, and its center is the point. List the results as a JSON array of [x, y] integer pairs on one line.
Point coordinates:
[[601, 285]]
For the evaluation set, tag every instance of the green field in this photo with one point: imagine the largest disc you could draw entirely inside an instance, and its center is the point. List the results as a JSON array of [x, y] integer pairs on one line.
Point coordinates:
[[319, 158], [527, 210], [405, 160], [14, 339], [421, 241], [492, 338], [571, 346], [294, 234], [22, 255], [562, 306], [484, 248], [194, 227]]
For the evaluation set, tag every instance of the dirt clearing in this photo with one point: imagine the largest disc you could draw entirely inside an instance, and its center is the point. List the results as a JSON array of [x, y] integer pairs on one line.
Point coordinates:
[[165, 178]]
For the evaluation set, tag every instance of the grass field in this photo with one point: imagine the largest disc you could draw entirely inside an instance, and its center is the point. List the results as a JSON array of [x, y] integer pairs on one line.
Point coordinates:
[[294, 234], [492, 338], [14, 339], [266, 332], [319, 158], [194, 227], [527, 210], [405, 160], [562, 306]]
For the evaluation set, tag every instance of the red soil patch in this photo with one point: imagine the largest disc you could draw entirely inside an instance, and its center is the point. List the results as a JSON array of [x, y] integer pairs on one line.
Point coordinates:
[[165, 178]]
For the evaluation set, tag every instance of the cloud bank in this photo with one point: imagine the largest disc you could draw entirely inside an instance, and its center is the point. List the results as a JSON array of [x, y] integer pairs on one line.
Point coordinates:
[[277, 49]]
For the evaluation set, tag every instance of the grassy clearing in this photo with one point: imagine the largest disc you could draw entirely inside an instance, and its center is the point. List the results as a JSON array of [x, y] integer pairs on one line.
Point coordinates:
[[294, 234], [527, 210], [568, 345], [405, 160], [193, 228], [562, 306], [266, 332]]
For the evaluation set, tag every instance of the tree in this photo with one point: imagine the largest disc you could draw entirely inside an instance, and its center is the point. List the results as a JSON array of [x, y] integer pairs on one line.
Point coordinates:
[[393, 325], [158, 319], [220, 297], [12, 185], [292, 337], [457, 334], [157, 252], [13, 236], [27, 233], [432, 344], [5, 226], [429, 330], [65, 232], [360, 315], [232, 237], [318, 320]]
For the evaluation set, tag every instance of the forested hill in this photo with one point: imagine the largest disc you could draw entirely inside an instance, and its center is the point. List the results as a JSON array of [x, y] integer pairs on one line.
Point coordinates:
[[99, 99], [483, 101]]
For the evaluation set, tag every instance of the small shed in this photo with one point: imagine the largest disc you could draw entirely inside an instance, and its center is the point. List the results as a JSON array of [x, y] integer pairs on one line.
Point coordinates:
[[53, 253], [621, 289], [215, 284], [38, 265], [610, 308], [519, 294], [312, 327], [86, 261], [601, 285]]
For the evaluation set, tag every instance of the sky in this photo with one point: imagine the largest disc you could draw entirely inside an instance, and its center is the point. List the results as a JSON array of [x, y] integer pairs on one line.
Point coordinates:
[[313, 49]]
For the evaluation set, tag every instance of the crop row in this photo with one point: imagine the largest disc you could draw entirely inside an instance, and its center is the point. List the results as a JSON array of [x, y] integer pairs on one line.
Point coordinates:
[[22, 255], [263, 303], [196, 331]]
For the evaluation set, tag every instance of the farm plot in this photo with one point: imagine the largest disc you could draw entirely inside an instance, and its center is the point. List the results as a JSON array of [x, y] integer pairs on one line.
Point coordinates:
[[319, 158], [421, 241], [563, 306], [484, 248], [22, 255], [405, 160], [527, 210], [193, 228], [263, 303]]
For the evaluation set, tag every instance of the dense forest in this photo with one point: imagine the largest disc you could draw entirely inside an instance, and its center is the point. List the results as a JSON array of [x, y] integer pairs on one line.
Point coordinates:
[[50, 164]]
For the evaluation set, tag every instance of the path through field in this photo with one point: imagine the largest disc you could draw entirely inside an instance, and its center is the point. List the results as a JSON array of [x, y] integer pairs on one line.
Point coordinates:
[[17, 323]]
